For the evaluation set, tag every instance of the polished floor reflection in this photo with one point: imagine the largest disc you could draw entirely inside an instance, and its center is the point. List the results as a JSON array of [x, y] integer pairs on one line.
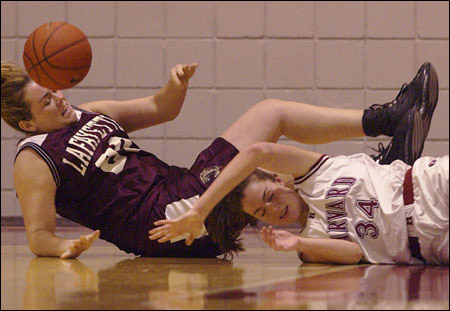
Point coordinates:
[[106, 278]]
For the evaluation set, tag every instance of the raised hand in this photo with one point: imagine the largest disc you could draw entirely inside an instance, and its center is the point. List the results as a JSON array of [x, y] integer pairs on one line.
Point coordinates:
[[279, 240], [80, 245], [189, 223], [180, 74]]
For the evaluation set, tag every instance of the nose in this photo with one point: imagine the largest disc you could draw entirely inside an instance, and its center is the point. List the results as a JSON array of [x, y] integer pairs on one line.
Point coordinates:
[[269, 205], [59, 99], [272, 208]]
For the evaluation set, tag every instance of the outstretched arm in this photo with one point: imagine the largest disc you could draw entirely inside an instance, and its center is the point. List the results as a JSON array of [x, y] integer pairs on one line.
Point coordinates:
[[274, 157], [313, 250], [141, 113]]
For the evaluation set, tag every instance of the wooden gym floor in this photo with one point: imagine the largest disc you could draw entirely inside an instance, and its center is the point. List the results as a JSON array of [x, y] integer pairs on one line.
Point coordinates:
[[106, 278]]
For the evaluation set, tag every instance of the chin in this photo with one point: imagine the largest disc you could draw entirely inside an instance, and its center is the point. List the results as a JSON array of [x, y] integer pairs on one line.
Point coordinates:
[[290, 222], [72, 118]]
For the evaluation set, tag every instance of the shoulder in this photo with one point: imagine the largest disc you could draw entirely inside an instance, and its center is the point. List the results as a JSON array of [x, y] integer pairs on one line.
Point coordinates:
[[31, 169], [27, 157], [314, 169]]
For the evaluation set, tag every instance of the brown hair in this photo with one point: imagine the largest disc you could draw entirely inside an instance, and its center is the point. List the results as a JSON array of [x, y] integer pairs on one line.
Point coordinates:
[[14, 106], [227, 220]]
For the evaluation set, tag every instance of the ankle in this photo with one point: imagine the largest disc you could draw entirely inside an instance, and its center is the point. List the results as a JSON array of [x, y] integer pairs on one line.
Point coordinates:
[[375, 123]]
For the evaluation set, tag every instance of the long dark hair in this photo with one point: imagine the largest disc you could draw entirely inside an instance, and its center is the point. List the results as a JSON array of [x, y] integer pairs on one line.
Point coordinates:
[[227, 220]]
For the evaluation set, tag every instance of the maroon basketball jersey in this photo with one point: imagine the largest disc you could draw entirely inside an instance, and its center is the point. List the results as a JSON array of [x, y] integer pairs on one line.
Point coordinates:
[[106, 182]]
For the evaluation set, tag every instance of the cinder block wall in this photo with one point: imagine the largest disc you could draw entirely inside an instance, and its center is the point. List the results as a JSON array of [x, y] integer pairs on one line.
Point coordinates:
[[337, 54]]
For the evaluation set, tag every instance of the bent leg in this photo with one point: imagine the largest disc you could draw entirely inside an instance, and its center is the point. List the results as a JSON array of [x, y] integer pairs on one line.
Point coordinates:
[[308, 124]]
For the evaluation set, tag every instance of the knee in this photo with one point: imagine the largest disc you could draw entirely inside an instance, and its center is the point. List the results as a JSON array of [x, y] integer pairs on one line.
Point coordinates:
[[270, 106], [271, 112], [271, 102]]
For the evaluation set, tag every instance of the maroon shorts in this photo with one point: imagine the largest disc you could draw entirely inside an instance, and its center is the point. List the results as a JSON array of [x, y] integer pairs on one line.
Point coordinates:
[[183, 183], [212, 160]]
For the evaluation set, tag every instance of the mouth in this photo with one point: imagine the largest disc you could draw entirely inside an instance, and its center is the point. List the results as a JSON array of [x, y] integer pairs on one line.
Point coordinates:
[[284, 213], [65, 110]]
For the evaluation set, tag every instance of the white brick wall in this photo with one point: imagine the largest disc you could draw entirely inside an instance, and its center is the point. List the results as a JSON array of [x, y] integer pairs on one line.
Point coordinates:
[[338, 54]]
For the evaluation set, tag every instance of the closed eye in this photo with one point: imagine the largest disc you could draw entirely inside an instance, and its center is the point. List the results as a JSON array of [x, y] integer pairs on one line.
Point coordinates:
[[44, 96], [263, 211]]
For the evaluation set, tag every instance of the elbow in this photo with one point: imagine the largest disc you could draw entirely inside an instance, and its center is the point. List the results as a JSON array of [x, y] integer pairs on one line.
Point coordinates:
[[37, 243], [356, 256], [259, 151], [353, 255], [35, 249], [172, 115]]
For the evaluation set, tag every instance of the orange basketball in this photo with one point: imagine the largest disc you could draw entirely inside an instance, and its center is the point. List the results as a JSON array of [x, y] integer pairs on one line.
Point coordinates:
[[57, 55]]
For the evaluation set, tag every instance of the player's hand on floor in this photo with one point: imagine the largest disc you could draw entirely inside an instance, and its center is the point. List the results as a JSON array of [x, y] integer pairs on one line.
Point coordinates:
[[80, 245], [279, 240], [190, 223]]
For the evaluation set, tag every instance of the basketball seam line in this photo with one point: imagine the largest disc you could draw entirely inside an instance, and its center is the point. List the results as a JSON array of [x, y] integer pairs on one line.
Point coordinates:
[[46, 58]]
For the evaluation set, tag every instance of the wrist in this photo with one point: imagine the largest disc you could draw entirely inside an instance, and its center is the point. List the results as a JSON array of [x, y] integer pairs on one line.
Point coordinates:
[[298, 245], [64, 246], [175, 85], [201, 212]]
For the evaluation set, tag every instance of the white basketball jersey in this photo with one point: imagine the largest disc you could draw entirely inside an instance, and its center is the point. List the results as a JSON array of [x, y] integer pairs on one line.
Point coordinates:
[[354, 198]]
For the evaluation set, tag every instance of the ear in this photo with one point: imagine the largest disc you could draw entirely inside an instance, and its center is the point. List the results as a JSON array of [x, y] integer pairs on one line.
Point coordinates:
[[27, 126], [279, 180]]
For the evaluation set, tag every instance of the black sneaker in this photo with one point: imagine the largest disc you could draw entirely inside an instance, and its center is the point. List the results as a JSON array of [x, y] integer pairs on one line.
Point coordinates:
[[412, 128], [383, 119]]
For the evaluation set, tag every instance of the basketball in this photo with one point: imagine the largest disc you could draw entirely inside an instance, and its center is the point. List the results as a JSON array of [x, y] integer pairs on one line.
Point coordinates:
[[57, 55]]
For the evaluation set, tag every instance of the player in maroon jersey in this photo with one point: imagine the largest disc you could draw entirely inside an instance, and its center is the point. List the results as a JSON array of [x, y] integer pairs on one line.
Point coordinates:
[[80, 163]]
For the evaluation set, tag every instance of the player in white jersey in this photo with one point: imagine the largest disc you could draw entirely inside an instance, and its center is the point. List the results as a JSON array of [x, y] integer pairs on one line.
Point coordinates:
[[353, 198], [381, 214], [350, 208]]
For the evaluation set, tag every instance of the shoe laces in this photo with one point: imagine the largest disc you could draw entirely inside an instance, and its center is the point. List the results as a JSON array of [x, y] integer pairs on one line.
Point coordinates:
[[382, 152], [388, 105]]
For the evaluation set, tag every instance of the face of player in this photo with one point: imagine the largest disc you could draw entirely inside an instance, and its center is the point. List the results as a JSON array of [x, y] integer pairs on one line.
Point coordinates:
[[273, 202], [50, 110]]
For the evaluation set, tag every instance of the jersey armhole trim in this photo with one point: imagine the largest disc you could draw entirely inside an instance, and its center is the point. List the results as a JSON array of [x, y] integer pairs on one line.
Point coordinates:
[[312, 170]]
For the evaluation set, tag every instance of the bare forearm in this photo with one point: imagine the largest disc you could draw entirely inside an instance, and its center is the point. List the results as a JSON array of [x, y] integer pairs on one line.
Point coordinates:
[[329, 251], [46, 244], [170, 99], [233, 174]]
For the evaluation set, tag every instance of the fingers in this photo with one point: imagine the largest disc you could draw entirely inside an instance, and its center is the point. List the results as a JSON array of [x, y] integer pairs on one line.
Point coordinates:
[[183, 72], [93, 236], [66, 255], [269, 237], [162, 234], [190, 240], [174, 228], [189, 68], [158, 230], [162, 222], [74, 250], [80, 245], [180, 71]]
